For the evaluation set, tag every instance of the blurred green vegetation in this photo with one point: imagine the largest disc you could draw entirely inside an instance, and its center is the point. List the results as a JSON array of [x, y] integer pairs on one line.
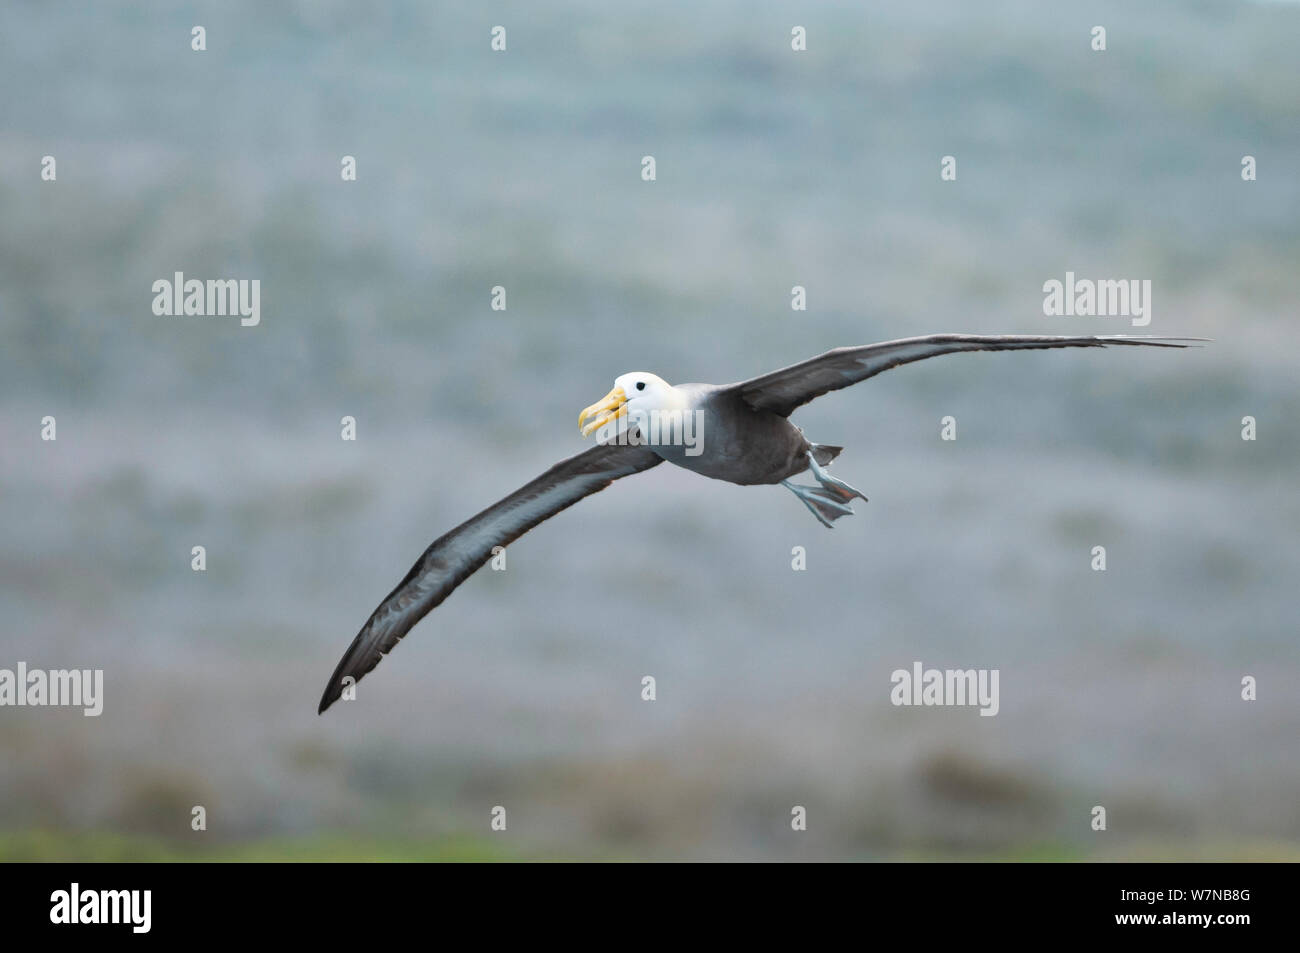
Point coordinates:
[[107, 847]]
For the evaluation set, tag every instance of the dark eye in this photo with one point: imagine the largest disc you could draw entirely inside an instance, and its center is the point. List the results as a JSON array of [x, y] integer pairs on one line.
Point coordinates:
[[640, 385]]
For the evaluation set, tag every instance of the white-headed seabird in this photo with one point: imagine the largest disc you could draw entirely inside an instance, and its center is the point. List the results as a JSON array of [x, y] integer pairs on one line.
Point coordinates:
[[745, 438]]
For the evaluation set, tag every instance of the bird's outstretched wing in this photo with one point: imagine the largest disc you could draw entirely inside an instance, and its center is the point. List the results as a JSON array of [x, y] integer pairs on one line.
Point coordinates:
[[454, 557], [784, 390]]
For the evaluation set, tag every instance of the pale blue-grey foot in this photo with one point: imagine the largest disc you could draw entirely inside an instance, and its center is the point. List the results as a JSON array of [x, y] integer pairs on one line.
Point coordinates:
[[825, 505], [841, 489]]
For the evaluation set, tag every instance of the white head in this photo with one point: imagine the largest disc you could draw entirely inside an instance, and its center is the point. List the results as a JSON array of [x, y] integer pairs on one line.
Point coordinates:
[[635, 393]]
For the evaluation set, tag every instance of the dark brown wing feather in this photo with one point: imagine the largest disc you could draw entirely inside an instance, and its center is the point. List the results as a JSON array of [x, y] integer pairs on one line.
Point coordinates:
[[784, 390], [455, 556]]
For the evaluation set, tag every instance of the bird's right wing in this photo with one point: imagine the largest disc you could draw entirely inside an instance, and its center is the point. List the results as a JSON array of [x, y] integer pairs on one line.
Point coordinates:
[[784, 390], [455, 556]]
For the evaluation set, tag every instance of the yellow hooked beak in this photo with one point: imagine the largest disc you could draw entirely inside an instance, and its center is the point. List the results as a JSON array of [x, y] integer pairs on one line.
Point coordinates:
[[610, 407]]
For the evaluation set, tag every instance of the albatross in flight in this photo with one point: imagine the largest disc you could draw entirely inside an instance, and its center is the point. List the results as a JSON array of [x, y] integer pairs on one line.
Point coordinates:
[[744, 437]]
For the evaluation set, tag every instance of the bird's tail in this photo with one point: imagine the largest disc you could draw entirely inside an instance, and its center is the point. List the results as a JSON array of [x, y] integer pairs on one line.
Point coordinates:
[[824, 453]]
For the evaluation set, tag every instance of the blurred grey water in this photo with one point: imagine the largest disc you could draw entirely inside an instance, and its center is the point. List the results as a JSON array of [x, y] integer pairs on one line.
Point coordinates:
[[774, 169]]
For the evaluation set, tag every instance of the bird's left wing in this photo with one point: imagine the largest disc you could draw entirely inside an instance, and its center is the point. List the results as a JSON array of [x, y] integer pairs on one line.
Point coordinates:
[[454, 557], [784, 390]]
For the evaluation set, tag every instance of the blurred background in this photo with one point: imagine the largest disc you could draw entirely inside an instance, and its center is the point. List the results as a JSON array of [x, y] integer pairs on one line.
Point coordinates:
[[774, 169]]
